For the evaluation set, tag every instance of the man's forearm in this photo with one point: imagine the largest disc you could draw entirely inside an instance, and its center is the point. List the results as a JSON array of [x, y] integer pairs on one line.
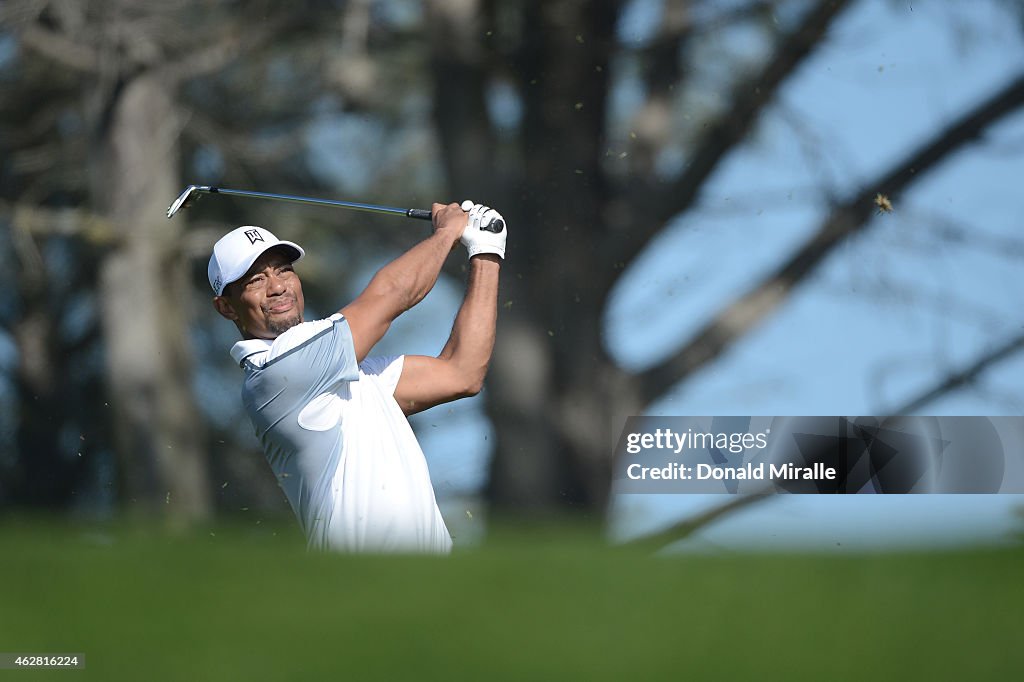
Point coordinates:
[[459, 370], [410, 277], [472, 339]]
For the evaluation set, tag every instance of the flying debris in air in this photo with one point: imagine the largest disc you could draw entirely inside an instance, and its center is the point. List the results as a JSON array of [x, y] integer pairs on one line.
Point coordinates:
[[883, 203]]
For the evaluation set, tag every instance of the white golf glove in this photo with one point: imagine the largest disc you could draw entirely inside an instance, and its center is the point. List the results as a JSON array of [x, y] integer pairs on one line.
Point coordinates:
[[480, 236]]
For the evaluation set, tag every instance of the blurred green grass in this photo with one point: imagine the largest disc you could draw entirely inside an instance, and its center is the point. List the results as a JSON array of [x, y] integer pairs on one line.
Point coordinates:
[[238, 603]]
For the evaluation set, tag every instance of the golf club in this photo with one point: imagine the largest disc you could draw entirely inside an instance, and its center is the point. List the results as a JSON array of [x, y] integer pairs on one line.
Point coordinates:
[[193, 192]]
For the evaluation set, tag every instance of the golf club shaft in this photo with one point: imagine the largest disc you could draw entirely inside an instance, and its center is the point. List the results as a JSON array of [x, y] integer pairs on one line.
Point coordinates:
[[422, 214]]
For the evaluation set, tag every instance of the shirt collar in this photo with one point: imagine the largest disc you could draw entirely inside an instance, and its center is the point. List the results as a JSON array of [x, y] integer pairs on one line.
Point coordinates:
[[246, 347]]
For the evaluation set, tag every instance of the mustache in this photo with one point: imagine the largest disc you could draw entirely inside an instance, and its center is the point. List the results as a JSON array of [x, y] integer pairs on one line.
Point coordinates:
[[277, 301]]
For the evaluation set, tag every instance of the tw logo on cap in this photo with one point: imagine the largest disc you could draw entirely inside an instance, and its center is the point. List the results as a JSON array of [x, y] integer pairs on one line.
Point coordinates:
[[254, 236]]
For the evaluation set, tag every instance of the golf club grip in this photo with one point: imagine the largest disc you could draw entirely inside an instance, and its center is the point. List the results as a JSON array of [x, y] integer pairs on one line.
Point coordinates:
[[495, 226]]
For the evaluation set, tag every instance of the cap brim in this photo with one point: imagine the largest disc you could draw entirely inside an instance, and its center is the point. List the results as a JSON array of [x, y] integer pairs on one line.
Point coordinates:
[[296, 252]]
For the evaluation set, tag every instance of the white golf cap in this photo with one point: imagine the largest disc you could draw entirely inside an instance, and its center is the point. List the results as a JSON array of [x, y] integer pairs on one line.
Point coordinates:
[[235, 252]]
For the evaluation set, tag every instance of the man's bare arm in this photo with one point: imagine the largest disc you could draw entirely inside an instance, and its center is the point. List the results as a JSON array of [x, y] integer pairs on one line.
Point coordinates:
[[459, 370], [403, 282]]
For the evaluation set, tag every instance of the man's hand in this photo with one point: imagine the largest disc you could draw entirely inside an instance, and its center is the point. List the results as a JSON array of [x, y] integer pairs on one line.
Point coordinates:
[[449, 220], [478, 240]]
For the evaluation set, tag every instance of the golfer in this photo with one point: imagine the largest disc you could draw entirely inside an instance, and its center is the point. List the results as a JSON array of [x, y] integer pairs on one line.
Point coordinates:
[[332, 421]]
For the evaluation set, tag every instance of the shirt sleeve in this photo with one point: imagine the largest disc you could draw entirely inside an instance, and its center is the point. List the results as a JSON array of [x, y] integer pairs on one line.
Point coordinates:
[[387, 368], [324, 348]]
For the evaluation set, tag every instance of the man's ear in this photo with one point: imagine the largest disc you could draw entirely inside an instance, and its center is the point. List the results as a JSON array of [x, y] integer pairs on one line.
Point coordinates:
[[223, 306]]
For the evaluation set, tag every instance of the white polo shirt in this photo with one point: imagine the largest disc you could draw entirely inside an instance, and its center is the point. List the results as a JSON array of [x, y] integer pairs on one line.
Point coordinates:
[[338, 442]]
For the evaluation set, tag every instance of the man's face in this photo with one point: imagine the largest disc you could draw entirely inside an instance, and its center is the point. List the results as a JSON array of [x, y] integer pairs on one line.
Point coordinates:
[[267, 300]]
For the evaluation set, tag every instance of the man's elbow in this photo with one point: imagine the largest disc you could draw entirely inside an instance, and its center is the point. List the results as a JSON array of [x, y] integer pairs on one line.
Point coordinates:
[[470, 383], [470, 388]]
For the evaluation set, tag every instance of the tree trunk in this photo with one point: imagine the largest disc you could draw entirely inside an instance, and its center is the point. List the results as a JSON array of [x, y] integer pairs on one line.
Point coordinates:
[[145, 309], [551, 420]]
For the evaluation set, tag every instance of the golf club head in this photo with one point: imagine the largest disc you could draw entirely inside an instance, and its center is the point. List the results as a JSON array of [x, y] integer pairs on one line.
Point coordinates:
[[183, 200]]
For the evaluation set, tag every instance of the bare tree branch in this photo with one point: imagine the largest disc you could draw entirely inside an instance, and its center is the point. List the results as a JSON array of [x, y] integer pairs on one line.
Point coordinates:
[[690, 525], [964, 376], [749, 98], [62, 49], [244, 143], [912, 297], [14, 13], [221, 52], [740, 317], [39, 221], [963, 235]]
